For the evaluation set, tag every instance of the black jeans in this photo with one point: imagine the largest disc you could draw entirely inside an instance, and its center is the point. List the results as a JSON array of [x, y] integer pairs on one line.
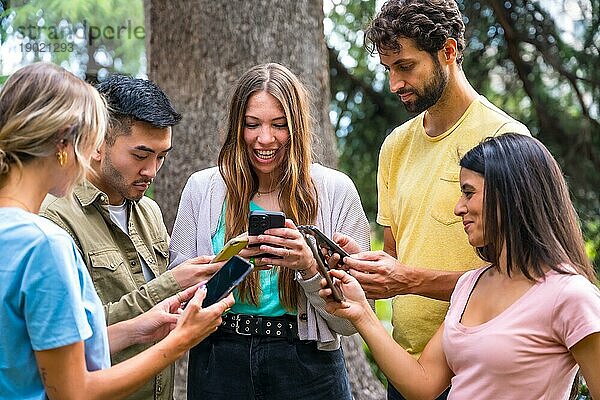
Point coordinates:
[[228, 366], [393, 394]]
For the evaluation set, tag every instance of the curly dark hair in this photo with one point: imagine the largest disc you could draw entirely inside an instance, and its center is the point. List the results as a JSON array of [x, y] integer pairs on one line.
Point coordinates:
[[428, 22]]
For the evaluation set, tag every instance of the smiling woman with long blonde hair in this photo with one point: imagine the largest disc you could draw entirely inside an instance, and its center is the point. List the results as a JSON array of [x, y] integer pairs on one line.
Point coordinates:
[[291, 348]]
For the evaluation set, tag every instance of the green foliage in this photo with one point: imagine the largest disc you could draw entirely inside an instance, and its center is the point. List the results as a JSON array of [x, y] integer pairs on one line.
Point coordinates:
[[363, 110], [88, 37], [542, 74]]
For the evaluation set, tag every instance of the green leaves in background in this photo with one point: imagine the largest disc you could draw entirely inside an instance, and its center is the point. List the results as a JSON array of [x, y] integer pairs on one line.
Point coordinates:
[[539, 71], [102, 36]]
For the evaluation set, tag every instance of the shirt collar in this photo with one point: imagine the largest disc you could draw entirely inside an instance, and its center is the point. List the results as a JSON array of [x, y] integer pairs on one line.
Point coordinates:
[[87, 194]]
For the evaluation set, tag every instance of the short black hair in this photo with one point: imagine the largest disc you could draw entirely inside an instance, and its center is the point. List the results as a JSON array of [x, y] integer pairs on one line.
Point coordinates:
[[132, 99]]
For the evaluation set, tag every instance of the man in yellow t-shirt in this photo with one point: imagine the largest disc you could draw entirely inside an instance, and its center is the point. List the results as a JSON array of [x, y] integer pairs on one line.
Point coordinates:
[[420, 43]]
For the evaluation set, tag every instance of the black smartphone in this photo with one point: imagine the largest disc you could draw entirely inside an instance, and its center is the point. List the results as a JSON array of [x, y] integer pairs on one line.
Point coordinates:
[[324, 242], [322, 265], [226, 279], [260, 221]]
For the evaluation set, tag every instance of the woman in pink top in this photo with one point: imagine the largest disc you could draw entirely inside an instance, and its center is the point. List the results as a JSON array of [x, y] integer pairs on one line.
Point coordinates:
[[522, 326]]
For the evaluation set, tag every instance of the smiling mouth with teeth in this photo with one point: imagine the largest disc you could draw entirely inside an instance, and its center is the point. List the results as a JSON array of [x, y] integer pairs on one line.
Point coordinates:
[[265, 154]]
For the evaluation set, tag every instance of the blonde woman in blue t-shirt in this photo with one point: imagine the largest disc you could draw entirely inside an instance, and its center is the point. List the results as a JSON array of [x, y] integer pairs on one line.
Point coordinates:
[[54, 341]]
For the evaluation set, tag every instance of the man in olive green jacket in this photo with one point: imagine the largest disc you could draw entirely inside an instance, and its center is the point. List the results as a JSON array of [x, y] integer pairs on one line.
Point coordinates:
[[119, 231]]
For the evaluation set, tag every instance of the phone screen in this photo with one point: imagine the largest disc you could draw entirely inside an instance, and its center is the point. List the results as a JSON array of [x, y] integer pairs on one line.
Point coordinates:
[[226, 279]]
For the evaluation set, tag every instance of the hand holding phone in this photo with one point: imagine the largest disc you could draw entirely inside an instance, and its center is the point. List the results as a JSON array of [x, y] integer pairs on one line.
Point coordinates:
[[260, 221], [323, 267], [231, 248], [324, 242]]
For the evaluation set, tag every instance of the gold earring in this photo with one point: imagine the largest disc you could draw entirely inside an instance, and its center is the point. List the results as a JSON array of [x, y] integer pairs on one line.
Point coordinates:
[[62, 157]]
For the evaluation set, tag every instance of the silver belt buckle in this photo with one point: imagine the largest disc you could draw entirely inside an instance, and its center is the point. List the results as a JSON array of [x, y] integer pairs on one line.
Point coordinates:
[[237, 327]]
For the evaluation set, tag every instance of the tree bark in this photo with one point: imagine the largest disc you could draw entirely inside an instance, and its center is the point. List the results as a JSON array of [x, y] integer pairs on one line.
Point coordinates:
[[196, 50]]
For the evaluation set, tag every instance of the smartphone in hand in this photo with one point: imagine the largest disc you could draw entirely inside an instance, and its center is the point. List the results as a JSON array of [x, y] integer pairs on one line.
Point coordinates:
[[221, 284], [324, 242], [260, 221], [231, 248], [322, 266]]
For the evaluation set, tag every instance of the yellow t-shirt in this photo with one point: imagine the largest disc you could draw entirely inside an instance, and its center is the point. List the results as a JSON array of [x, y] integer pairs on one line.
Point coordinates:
[[418, 187]]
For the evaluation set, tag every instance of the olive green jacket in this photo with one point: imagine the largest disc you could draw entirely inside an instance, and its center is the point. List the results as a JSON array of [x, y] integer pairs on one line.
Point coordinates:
[[113, 260]]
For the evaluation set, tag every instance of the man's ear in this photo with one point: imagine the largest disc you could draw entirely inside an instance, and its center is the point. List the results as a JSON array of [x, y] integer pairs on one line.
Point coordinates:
[[450, 51], [99, 152]]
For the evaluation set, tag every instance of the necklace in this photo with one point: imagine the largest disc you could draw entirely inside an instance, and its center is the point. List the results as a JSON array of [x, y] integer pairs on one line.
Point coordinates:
[[259, 193], [18, 201]]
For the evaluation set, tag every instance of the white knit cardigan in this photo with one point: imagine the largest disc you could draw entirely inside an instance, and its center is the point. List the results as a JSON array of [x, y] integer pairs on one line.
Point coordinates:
[[339, 210]]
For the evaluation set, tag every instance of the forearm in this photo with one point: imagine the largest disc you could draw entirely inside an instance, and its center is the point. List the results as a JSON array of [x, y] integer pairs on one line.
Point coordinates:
[[434, 284], [118, 337], [65, 376], [110, 383], [401, 369], [121, 336], [141, 300]]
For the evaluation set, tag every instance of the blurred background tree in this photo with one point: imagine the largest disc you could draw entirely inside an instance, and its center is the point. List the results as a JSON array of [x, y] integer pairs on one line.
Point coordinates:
[[97, 37]]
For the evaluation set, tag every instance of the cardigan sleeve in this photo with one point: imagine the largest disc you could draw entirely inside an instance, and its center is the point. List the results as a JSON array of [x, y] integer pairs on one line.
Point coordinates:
[[186, 225], [340, 211]]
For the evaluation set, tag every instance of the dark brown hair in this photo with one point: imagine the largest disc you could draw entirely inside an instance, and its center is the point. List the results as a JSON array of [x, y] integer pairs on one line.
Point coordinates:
[[527, 208], [428, 22]]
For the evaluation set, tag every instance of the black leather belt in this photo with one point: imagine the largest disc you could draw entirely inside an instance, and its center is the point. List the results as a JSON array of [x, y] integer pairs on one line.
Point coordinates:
[[242, 324]]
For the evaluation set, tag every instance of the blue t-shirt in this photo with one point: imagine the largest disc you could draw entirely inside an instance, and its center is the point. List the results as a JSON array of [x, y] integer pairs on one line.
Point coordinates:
[[47, 301], [269, 304]]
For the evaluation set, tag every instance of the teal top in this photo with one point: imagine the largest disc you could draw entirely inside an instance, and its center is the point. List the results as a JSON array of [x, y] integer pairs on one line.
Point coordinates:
[[269, 304]]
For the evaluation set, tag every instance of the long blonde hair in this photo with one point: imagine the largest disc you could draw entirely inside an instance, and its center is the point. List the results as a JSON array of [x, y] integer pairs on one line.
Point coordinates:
[[298, 197], [41, 105]]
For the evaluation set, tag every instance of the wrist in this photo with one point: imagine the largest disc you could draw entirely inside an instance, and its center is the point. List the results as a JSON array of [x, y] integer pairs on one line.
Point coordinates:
[[120, 336], [413, 279], [309, 271], [174, 345], [367, 317], [128, 326]]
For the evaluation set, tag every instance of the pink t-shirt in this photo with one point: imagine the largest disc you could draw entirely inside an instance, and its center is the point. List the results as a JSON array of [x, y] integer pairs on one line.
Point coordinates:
[[523, 353]]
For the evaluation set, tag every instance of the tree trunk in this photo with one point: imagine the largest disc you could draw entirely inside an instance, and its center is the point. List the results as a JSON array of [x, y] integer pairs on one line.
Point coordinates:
[[196, 50]]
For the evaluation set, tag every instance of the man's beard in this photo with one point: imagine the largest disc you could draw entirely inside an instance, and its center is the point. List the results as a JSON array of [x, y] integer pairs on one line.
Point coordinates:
[[114, 178], [432, 91]]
